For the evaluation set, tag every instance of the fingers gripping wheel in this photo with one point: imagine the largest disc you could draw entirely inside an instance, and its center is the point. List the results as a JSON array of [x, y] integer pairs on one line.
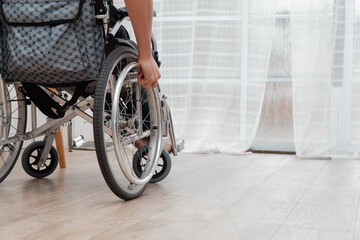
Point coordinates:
[[163, 167], [31, 157], [125, 116]]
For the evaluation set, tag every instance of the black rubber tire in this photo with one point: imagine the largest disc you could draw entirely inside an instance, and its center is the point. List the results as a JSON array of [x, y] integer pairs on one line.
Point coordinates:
[[28, 165], [165, 165], [98, 125]]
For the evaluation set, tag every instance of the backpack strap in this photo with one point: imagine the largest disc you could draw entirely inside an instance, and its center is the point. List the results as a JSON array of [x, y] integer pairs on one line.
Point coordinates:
[[42, 100], [79, 91]]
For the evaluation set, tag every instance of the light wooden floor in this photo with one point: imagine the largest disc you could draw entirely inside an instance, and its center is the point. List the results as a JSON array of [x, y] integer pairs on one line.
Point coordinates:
[[205, 197]]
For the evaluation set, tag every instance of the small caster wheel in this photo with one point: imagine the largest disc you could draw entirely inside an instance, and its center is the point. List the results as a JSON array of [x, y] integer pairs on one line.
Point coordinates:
[[31, 158], [162, 169]]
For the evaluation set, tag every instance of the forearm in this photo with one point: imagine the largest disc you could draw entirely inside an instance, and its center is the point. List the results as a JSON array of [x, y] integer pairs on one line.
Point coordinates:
[[141, 14]]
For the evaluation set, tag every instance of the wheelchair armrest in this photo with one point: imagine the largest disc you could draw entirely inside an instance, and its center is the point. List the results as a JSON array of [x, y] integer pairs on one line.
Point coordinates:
[[124, 13]]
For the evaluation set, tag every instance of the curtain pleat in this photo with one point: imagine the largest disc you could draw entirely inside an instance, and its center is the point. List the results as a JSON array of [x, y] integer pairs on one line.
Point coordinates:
[[215, 57], [325, 60]]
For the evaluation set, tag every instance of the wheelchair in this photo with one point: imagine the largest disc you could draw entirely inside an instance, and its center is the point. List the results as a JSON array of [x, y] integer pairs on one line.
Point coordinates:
[[130, 123]]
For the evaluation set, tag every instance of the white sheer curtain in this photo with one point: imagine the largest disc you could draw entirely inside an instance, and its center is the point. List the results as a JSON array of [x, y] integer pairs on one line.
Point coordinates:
[[215, 57], [325, 37]]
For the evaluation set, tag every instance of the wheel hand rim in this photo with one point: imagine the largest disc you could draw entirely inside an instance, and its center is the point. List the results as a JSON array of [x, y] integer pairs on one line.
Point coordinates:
[[131, 177]]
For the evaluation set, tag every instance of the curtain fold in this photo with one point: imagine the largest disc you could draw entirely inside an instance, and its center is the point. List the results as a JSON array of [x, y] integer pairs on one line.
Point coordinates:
[[215, 62], [215, 57], [325, 72]]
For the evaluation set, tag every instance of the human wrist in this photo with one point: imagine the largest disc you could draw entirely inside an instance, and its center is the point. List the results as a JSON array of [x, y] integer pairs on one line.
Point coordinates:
[[145, 52], [144, 57]]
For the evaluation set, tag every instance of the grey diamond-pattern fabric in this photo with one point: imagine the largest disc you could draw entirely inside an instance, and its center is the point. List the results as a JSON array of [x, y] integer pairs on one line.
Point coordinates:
[[61, 54], [36, 11]]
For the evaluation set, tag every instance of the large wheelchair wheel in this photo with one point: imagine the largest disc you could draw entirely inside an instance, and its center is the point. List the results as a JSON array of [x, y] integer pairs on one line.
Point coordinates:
[[126, 116], [13, 125]]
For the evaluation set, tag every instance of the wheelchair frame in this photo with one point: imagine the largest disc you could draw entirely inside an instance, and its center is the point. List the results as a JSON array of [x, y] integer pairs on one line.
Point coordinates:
[[83, 104]]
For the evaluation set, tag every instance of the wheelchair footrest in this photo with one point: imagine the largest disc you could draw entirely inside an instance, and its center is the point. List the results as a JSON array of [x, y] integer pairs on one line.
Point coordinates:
[[180, 145], [90, 146]]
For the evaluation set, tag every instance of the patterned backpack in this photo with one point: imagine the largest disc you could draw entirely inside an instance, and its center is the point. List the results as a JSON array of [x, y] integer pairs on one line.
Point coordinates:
[[50, 42]]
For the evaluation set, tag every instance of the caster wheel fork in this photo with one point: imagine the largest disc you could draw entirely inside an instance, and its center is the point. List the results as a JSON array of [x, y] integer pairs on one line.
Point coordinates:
[[32, 156], [162, 170]]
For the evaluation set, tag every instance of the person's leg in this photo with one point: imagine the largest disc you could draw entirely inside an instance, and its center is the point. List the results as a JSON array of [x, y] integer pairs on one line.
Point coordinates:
[[146, 125], [145, 141]]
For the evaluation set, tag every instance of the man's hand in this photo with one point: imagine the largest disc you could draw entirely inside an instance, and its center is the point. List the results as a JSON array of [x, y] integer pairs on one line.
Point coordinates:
[[149, 73], [141, 16]]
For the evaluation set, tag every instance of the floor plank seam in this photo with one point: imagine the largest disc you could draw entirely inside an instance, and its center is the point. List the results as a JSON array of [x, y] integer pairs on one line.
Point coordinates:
[[267, 197], [297, 203], [255, 187], [245, 195], [356, 216]]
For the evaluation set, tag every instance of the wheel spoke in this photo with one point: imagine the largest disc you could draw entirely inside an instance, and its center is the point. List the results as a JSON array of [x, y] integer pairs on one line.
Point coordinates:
[[9, 150], [14, 104], [13, 127], [11, 89], [3, 159], [14, 111]]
